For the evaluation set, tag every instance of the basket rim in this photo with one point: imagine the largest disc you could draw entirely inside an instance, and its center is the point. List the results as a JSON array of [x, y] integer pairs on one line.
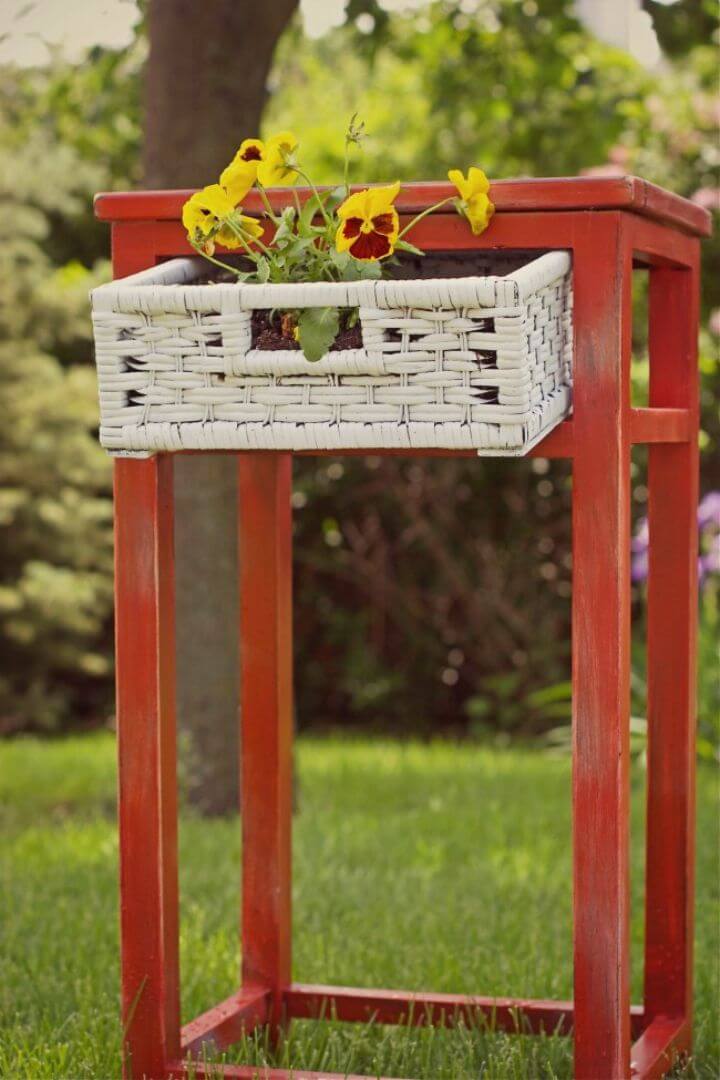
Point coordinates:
[[152, 289]]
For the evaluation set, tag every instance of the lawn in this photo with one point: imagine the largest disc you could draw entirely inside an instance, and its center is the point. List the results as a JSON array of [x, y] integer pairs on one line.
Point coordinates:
[[440, 866]]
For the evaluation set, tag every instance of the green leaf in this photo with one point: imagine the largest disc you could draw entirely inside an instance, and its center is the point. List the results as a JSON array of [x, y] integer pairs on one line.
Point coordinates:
[[311, 208], [298, 246], [350, 269], [548, 695], [286, 228], [405, 245], [340, 258], [368, 271], [317, 329], [263, 270], [335, 197], [355, 269]]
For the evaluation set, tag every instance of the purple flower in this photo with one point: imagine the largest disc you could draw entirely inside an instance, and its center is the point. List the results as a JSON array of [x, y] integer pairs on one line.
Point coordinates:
[[709, 555], [709, 522], [639, 549], [641, 537], [709, 510], [710, 559], [639, 566]]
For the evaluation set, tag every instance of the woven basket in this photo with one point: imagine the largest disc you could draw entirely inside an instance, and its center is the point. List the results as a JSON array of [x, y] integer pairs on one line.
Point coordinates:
[[464, 362]]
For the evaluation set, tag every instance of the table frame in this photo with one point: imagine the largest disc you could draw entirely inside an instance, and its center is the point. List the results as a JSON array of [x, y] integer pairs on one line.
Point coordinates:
[[608, 228]]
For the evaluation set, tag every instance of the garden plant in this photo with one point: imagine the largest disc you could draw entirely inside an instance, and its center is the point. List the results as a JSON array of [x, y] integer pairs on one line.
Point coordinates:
[[355, 238]]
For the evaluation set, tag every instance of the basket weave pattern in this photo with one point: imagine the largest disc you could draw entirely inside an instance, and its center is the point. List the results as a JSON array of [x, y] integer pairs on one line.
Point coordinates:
[[481, 362]]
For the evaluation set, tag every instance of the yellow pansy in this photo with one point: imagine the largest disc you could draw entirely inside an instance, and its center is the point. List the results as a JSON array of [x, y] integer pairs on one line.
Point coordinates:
[[274, 170], [474, 202], [204, 211], [249, 226], [206, 214], [241, 173], [369, 223]]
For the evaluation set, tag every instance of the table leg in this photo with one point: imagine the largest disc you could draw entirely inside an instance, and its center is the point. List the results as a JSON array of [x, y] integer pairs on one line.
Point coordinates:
[[145, 652], [265, 531], [672, 618], [601, 649]]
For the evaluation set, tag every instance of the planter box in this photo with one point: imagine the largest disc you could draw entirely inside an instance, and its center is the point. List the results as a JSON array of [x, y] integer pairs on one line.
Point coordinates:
[[463, 362]]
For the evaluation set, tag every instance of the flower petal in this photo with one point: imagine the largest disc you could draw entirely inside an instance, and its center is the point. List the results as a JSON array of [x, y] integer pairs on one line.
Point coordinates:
[[196, 218], [352, 227], [388, 223], [370, 246], [456, 177], [285, 138], [479, 210], [380, 199], [227, 238], [252, 226], [214, 199], [238, 178], [273, 170], [251, 150], [203, 211], [478, 182], [354, 206], [342, 240]]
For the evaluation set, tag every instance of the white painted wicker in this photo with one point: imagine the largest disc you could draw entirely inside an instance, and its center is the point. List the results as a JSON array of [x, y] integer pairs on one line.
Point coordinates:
[[465, 362]]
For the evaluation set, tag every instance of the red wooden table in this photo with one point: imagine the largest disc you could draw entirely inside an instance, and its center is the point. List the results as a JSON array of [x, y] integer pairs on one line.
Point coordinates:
[[610, 226]]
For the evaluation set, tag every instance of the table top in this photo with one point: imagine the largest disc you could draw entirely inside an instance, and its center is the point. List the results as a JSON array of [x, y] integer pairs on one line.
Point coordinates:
[[629, 193]]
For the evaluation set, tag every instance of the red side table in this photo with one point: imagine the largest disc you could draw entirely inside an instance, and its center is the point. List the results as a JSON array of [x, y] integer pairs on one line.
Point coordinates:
[[609, 225]]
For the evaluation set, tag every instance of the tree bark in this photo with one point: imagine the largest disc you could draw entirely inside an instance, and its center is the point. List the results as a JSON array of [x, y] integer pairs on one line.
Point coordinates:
[[205, 83], [205, 88]]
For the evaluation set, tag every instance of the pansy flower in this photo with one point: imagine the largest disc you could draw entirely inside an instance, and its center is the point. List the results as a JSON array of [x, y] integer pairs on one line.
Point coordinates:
[[206, 215], [474, 203], [369, 223], [276, 165], [241, 173]]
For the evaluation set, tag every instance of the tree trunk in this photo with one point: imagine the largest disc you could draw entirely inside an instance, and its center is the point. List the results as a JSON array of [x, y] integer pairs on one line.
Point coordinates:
[[205, 84], [205, 88]]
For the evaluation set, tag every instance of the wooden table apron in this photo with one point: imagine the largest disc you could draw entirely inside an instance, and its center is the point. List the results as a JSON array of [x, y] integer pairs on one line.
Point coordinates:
[[641, 226]]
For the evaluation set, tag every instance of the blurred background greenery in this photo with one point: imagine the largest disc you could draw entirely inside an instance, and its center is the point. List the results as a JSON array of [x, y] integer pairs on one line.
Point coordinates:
[[431, 598]]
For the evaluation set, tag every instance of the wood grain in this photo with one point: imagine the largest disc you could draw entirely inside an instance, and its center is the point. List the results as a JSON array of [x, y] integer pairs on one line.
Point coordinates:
[[265, 534], [671, 666], [147, 798], [601, 649], [525, 195]]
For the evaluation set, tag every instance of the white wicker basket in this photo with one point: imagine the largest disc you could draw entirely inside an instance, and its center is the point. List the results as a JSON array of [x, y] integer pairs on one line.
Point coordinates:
[[464, 362]]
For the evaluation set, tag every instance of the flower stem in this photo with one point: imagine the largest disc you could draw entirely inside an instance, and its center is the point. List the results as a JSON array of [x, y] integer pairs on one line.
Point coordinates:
[[419, 217], [217, 262], [346, 168], [266, 203], [308, 181], [241, 237]]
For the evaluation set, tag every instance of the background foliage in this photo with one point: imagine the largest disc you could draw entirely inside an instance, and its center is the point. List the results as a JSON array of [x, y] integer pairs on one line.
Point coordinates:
[[431, 596]]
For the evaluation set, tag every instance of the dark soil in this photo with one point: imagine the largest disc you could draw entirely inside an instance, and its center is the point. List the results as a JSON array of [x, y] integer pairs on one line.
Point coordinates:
[[216, 277], [349, 338], [278, 333]]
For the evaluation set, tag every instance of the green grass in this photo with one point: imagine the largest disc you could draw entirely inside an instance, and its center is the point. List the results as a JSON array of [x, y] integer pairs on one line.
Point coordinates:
[[436, 867]]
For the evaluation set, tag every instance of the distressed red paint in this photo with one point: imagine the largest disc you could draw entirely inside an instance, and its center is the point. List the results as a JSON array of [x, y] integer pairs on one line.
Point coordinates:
[[609, 225]]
